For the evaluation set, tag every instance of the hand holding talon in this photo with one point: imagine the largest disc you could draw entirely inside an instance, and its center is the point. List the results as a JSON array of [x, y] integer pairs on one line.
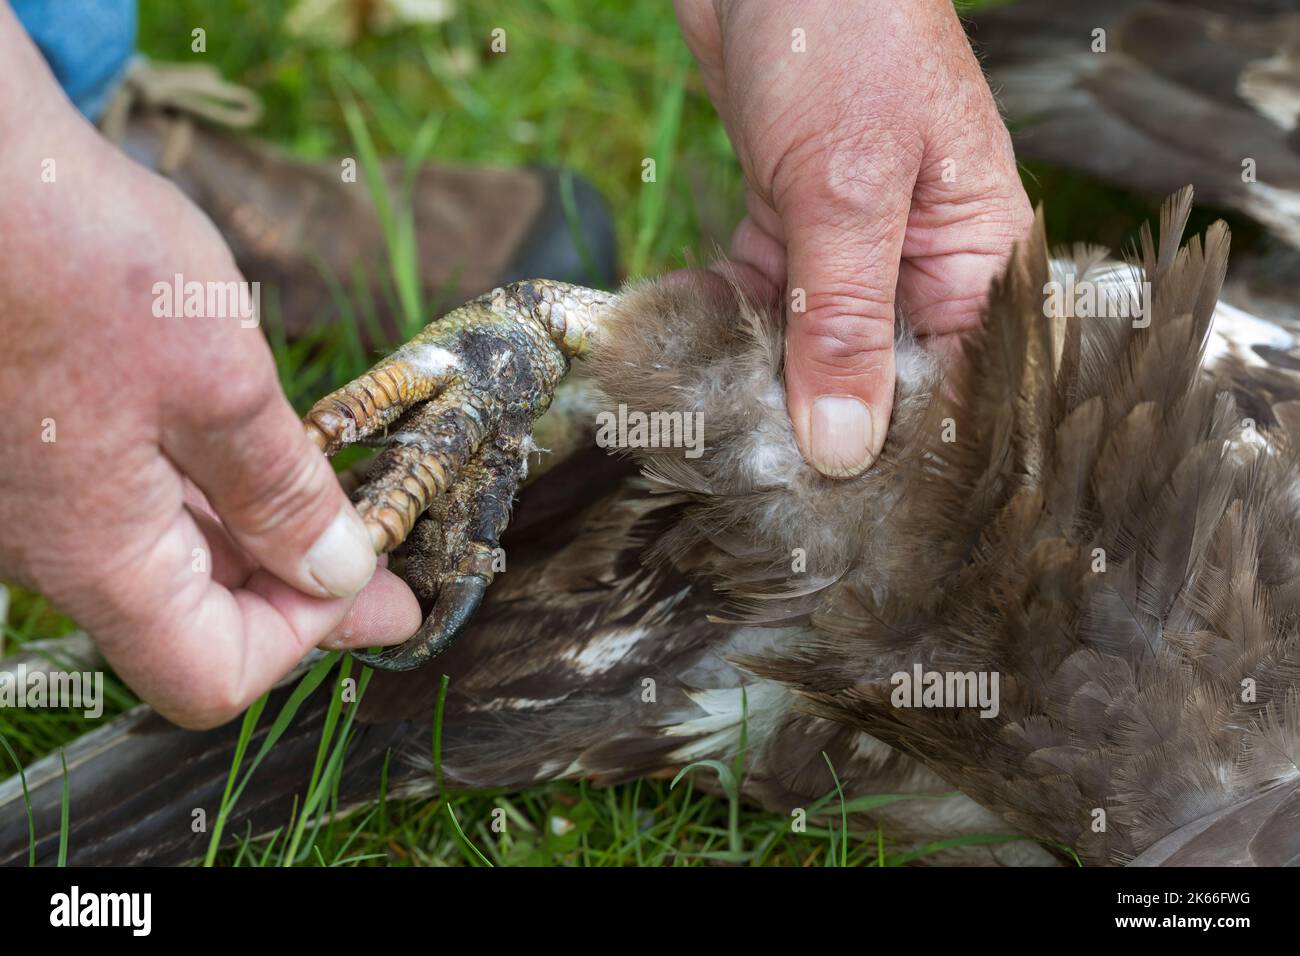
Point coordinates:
[[454, 409]]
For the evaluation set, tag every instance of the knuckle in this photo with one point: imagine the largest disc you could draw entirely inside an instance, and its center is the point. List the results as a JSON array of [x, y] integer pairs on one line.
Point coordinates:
[[998, 227], [240, 399], [843, 366], [840, 330], [823, 180], [858, 308], [285, 488], [854, 168]]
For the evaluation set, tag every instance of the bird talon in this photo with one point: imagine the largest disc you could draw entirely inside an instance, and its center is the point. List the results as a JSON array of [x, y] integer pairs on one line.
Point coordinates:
[[452, 410], [455, 606]]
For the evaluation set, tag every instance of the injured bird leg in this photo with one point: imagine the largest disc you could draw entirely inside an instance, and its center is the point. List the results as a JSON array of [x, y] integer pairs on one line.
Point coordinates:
[[460, 399]]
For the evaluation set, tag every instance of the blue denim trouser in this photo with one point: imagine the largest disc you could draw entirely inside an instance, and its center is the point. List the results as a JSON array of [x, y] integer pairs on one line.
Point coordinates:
[[88, 44]]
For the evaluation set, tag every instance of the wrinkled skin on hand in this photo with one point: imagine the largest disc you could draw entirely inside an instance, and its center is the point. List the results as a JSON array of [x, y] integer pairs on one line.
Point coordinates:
[[879, 175], [157, 485]]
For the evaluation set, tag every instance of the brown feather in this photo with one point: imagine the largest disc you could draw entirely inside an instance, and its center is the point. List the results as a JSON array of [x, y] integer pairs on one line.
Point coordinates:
[[1121, 690]]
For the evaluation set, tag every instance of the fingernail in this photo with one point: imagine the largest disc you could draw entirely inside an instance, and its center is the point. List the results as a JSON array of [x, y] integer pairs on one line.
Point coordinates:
[[342, 560], [840, 436]]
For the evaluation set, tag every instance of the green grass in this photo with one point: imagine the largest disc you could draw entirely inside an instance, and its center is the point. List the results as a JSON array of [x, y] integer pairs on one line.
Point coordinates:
[[596, 87], [645, 823]]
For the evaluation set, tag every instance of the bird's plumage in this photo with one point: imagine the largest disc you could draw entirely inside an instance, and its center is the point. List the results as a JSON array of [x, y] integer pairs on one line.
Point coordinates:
[[971, 547], [1137, 697], [1154, 94], [548, 682]]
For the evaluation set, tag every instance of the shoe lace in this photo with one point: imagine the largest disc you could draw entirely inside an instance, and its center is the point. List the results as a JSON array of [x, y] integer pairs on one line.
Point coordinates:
[[183, 92]]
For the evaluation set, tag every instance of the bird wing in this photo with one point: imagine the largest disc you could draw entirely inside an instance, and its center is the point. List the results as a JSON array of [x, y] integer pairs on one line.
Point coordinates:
[[1262, 830], [583, 662], [1102, 540], [1130, 90]]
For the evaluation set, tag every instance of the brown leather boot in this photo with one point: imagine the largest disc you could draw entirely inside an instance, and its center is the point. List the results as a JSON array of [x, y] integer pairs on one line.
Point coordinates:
[[299, 228]]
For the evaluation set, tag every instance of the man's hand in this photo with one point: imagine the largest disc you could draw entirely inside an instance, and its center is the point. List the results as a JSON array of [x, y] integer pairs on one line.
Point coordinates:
[[879, 174], [156, 485]]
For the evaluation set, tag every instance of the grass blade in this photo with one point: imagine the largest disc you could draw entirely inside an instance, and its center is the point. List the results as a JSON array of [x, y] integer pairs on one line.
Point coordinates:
[[64, 811], [27, 801], [310, 681], [475, 854]]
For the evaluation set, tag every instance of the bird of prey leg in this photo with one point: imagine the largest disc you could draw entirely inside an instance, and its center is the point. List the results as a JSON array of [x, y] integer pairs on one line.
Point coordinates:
[[454, 410]]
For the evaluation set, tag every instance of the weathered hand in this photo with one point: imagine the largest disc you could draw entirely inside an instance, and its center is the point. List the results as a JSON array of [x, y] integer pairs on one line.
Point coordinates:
[[115, 416], [879, 174], [454, 409]]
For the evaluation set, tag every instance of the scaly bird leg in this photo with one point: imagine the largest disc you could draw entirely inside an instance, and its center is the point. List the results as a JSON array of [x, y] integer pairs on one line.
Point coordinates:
[[463, 395], [451, 558], [421, 461]]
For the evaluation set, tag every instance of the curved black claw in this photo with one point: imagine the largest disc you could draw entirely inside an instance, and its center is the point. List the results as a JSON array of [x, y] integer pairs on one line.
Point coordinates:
[[453, 409], [456, 604], [453, 552]]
